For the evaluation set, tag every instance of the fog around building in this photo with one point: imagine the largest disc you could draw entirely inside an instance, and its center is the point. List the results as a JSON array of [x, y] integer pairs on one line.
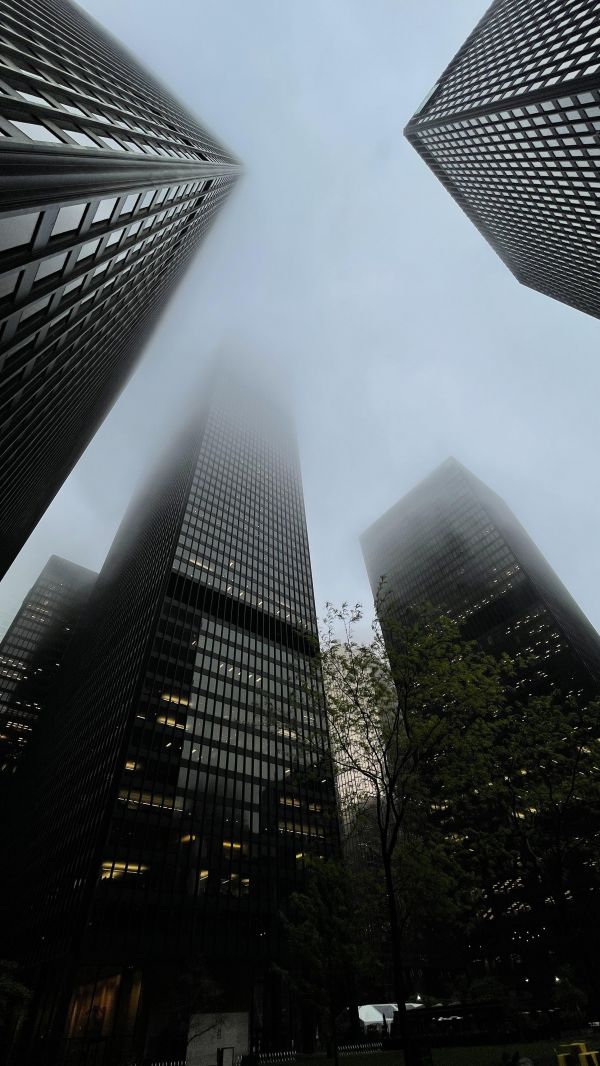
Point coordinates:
[[344, 269]]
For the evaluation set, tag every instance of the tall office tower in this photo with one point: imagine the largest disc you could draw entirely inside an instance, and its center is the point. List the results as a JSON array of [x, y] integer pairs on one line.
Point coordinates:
[[33, 648], [107, 186], [455, 544], [187, 774], [511, 129]]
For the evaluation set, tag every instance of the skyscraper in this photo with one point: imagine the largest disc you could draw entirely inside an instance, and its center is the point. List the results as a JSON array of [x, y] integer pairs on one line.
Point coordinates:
[[186, 774], [511, 129], [453, 543], [32, 650], [107, 187]]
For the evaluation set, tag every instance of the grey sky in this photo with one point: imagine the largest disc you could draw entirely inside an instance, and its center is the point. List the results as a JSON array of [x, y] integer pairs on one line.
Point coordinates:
[[341, 258]]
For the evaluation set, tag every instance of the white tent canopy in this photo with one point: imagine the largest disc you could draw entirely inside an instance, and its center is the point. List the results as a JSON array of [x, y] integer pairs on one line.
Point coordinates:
[[374, 1013], [370, 1015]]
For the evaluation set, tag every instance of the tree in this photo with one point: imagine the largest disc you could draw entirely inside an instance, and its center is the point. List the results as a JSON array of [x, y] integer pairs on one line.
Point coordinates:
[[14, 1000], [477, 802], [411, 721], [191, 991], [322, 941]]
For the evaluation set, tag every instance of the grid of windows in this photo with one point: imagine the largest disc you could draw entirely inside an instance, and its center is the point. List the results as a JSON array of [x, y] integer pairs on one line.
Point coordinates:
[[257, 553], [68, 82], [453, 543], [108, 187], [512, 130], [32, 649], [189, 774]]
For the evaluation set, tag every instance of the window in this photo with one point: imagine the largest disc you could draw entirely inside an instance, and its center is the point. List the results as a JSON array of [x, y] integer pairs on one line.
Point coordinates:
[[129, 204], [17, 230], [72, 285], [36, 132], [34, 308], [8, 284], [88, 249], [32, 98], [51, 266], [110, 143], [68, 219], [82, 138], [104, 209]]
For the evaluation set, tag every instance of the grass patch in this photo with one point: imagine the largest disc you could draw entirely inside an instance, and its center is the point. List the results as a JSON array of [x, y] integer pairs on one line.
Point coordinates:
[[541, 1053]]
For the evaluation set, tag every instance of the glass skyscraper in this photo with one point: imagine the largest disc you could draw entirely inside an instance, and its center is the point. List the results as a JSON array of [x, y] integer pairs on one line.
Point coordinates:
[[186, 776], [32, 649], [511, 129], [453, 543], [107, 186]]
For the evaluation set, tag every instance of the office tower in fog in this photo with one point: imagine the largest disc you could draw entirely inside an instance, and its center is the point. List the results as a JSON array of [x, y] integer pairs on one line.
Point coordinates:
[[511, 129], [188, 774], [32, 649], [108, 185], [453, 543]]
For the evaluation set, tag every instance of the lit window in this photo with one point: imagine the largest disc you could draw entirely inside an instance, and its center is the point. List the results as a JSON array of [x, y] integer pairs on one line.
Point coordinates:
[[164, 720], [115, 870], [172, 697]]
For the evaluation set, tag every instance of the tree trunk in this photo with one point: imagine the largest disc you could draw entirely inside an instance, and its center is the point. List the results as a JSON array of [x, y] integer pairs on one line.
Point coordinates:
[[336, 1057], [411, 1047]]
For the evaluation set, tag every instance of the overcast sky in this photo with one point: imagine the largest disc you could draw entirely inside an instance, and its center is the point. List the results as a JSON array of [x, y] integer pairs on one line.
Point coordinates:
[[342, 259]]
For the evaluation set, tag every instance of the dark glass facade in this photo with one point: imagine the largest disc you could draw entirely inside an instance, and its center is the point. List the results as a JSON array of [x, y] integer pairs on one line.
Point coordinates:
[[33, 648], [512, 130], [187, 774], [453, 543], [107, 185]]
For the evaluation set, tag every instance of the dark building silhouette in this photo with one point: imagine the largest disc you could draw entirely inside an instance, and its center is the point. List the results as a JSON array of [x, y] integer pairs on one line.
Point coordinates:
[[455, 544], [512, 130], [32, 649], [107, 185], [186, 774]]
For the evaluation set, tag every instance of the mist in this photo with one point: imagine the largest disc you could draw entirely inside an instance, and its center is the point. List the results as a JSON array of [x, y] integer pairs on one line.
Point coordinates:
[[345, 270]]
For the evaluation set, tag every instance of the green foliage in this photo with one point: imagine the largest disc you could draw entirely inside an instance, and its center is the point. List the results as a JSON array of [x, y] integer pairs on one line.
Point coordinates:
[[323, 956], [479, 809], [14, 1000], [412, 732]]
